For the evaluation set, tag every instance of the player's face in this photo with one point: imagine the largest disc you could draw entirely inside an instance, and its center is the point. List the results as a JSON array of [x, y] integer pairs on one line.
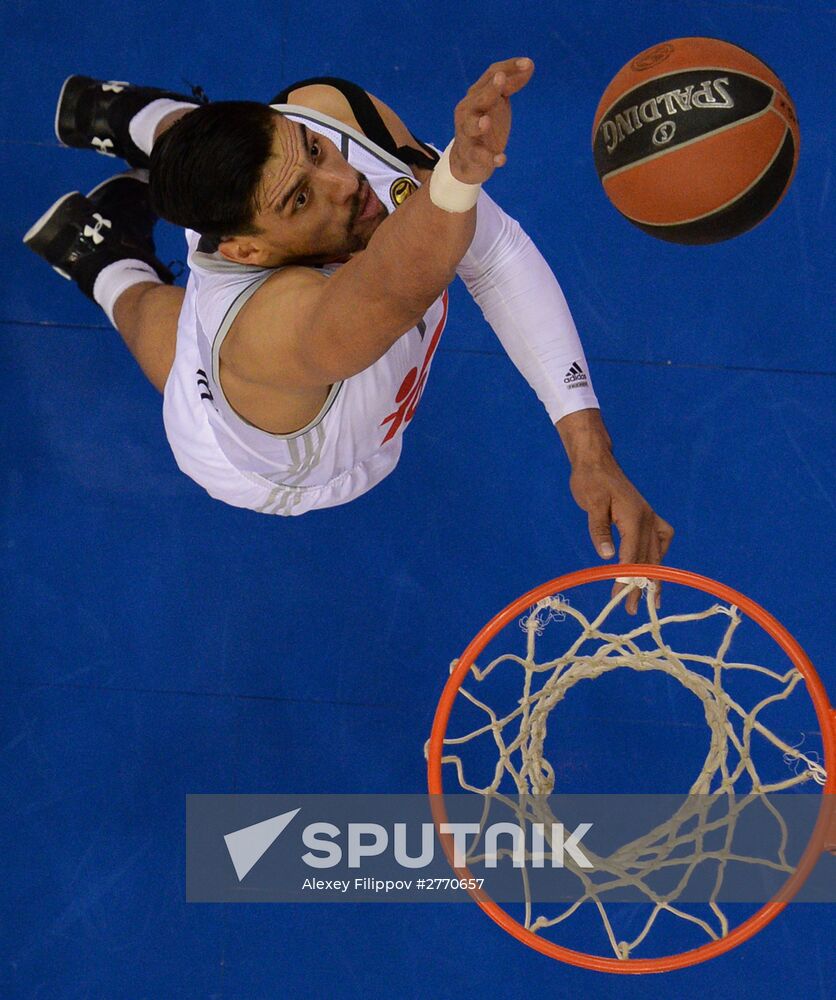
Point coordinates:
[[314, 207]]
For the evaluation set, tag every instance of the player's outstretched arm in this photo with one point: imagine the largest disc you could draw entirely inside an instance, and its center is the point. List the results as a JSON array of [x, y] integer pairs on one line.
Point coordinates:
[[310, 331], [520, 298]]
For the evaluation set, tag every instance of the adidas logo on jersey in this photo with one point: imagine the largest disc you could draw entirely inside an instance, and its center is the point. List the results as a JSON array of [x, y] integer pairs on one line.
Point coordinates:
[[203, 384], [576, 377]]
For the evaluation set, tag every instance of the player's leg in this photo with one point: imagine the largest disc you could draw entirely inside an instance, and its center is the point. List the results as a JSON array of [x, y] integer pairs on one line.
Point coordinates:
[[104, 243], [114, 117], [146, 316]]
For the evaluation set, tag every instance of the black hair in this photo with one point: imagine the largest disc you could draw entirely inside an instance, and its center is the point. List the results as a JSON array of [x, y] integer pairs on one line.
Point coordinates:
[[206, 168]]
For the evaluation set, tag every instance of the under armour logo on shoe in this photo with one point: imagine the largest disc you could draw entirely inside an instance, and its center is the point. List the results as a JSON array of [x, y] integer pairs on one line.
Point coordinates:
[[103, 146], [116, 86], [94, 233]]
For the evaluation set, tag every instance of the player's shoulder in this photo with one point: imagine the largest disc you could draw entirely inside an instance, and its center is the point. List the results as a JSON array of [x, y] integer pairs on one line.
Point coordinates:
[[330, 100], [325, 99], [268, 332], [279, 297]]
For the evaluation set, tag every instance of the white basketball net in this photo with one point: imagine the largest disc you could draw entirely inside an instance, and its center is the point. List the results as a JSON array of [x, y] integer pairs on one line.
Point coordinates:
[[728, 773]]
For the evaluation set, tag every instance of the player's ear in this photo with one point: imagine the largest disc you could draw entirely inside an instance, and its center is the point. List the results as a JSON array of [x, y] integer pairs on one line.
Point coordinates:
[[242, 250]]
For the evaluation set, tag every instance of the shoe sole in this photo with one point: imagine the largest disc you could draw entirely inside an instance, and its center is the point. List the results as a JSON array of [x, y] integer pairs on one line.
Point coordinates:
[[58, 109], [35, 230]]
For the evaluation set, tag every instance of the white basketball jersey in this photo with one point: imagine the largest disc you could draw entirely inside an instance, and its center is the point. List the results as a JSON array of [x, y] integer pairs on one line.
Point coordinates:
[[355, 439]]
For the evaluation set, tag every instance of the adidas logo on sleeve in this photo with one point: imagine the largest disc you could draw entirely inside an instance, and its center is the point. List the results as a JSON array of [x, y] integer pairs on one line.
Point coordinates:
[[576, 377]]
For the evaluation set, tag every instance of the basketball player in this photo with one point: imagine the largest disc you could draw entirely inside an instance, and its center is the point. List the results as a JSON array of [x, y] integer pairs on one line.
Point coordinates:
[[322, 239]]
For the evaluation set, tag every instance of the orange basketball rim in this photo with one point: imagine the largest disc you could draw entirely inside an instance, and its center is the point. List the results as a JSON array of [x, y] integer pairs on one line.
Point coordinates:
[[824, 834]]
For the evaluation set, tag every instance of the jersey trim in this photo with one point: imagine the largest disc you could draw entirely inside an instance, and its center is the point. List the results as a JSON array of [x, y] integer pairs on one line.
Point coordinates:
[[232, 312], [368, 118]]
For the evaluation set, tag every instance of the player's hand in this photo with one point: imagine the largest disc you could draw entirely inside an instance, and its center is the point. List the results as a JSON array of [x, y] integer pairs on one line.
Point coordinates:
[[601, 488], [483, 120]]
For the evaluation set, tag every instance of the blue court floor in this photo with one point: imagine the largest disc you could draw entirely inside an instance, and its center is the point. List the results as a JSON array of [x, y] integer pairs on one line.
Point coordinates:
[[156, 643]]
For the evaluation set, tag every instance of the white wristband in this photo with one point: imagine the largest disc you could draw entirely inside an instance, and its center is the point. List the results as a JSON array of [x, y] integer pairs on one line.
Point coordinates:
[[448, 193]]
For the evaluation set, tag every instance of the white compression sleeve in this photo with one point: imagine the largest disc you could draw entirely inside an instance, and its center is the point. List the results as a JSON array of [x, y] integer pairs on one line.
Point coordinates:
[[520, 298]]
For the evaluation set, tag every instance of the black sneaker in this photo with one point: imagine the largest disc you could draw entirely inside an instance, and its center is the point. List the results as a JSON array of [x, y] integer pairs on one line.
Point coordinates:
[[79, 236], [96, 114]]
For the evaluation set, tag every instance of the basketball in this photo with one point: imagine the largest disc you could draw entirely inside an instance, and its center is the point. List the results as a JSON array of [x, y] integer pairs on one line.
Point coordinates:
[[695, 140]]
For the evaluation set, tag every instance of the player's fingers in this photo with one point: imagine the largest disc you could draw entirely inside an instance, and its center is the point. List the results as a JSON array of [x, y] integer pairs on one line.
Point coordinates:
[[519, 67], [488, 95], [654, 548], [501, 83], [600, 531], [661, 537], [485, 77], [516, 80], [645, 541], [635, 540], [474, 124], [665, 534], [654, 557]]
